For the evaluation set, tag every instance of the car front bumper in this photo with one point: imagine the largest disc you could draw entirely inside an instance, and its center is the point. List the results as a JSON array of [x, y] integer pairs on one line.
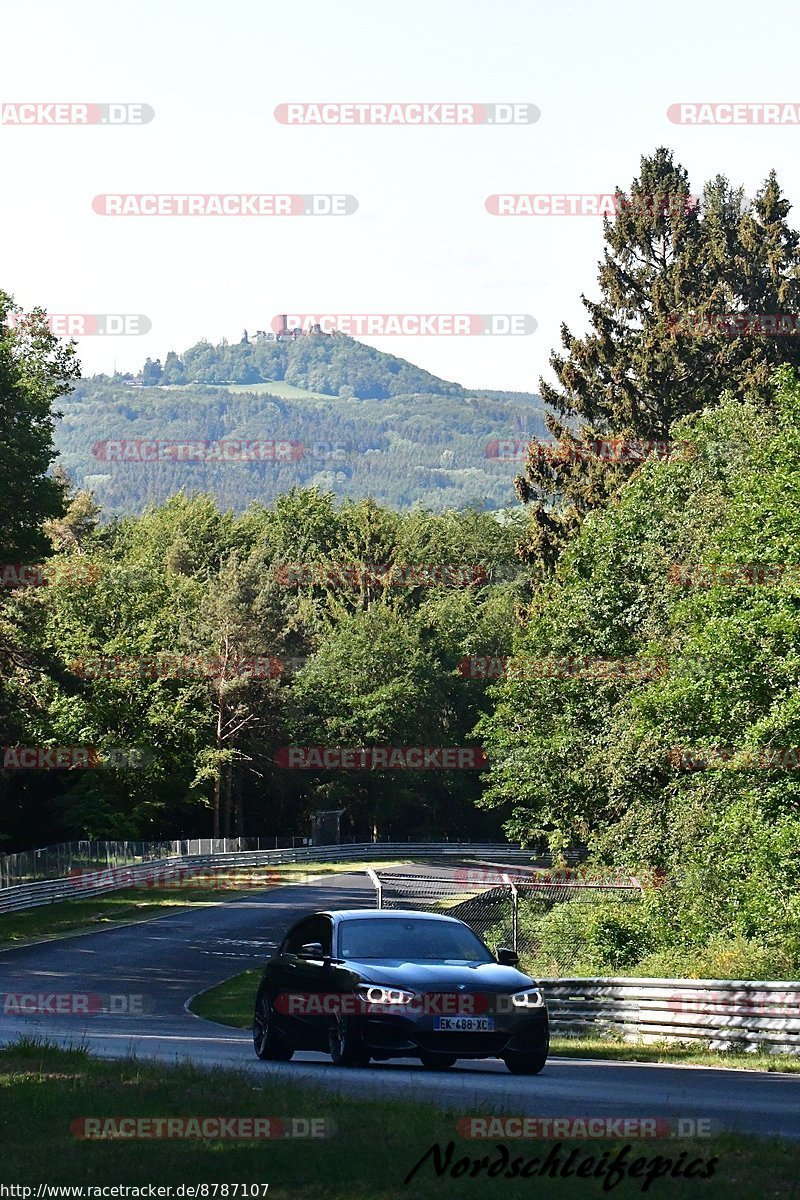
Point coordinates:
[[397, 1036]]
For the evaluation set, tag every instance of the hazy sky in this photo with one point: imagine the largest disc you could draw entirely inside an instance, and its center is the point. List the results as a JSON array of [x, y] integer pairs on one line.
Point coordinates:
[[602, 74]]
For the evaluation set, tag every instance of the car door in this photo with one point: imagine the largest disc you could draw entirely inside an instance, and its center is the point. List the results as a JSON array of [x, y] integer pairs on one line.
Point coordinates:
[[303, 978]]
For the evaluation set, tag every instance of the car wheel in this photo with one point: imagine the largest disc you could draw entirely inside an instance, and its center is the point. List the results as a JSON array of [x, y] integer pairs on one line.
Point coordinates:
[[268, 1042], [346, 1045], [437, 1062], [525, 1064]]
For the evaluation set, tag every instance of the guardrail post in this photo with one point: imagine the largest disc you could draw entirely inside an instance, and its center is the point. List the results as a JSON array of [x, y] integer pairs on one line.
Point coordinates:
[[514, 893], [376, 883]]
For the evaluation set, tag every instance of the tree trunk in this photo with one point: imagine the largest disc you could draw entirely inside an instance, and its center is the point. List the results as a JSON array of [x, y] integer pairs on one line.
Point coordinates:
[[239, 806], [227, 811], [218, 745], [216, 805]]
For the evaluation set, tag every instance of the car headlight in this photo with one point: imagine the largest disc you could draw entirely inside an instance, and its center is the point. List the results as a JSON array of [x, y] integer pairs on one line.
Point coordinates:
[[532, 998], [375, 994]]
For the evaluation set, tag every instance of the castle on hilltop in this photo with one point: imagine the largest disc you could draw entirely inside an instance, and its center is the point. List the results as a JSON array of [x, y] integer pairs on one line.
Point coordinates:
[[284, 334]]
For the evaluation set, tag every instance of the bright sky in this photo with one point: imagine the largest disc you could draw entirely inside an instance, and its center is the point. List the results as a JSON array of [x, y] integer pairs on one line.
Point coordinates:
[[602, 74]]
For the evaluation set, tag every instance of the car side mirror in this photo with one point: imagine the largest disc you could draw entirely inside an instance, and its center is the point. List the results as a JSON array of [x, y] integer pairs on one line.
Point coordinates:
[[311, 950], [506, 957]]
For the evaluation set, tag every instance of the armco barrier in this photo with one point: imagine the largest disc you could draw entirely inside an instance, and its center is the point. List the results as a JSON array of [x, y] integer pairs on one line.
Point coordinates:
[[58, 861], [87, 884], [723, 1013]]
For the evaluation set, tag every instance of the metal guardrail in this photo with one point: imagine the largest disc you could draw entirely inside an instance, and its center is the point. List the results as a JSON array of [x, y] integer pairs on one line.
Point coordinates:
[[58, 861], [725, 1014], [88, 883]]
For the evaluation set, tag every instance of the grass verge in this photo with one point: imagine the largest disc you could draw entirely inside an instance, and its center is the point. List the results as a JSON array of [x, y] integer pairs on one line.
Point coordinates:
[[374, 1146], [231, 1003], [670, 1052]]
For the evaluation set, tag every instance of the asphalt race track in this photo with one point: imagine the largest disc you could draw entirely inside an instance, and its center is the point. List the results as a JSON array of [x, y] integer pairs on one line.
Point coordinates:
[[169, 959]]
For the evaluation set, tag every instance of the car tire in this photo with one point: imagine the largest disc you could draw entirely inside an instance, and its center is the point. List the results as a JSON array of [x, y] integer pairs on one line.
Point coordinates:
[[525, 1064], [437, 1062], [347, 1048], [268, 1043]]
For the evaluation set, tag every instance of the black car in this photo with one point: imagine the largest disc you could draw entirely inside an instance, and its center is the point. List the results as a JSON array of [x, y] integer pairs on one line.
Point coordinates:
[[366, 984]]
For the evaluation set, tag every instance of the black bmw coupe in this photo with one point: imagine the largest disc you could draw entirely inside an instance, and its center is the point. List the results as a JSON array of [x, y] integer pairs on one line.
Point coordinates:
[[364, 984]]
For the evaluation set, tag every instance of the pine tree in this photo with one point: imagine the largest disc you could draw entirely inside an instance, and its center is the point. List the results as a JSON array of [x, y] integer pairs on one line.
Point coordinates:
[[658, 347]]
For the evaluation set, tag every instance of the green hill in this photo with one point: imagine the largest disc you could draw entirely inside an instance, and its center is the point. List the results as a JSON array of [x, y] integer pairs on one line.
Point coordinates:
[[332, 364], [434, 447]]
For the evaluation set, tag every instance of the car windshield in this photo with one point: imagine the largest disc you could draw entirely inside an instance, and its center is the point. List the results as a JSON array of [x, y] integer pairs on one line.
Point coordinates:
[[411, 940]]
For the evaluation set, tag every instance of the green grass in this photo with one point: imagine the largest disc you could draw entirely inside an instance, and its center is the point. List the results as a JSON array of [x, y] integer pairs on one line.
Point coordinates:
[[141, 904], [231, 1003], [376, 1142], [286, 391], [86, 916], [298, 872], [670, 1052]]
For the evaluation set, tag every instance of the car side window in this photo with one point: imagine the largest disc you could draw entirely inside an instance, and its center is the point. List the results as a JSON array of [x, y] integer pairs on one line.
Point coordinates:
[[313, 929], [296, 938]]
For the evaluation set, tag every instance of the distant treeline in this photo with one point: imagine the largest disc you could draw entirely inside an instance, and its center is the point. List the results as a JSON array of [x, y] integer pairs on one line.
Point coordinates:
[[437, 451]]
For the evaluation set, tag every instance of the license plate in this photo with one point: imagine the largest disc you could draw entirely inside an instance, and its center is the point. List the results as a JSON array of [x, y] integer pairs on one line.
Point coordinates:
[[463, 1024]]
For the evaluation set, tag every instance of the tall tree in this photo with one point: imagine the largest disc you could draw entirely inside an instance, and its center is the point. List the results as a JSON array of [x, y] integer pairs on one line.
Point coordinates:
[[656, 349], [35, 370]]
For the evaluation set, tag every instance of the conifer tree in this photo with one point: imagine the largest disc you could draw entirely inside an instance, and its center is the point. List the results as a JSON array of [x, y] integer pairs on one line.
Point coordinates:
[[662, 341]]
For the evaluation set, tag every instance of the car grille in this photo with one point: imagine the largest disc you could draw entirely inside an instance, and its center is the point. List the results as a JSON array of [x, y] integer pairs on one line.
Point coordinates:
[[462, 1043]]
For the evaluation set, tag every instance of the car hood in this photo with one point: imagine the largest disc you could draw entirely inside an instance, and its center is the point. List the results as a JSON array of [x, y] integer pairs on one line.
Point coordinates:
[[423, 977]]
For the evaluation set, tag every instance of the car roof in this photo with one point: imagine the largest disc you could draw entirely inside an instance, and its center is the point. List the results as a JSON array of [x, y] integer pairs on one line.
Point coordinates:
[[371, 914]]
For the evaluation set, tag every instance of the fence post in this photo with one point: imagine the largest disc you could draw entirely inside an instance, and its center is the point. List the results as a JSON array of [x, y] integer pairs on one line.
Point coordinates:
[[376, 883], [514, 912]]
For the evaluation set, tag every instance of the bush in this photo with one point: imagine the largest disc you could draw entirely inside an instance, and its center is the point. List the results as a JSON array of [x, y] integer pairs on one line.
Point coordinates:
[[600, 936], [721, 958], [595, 936]]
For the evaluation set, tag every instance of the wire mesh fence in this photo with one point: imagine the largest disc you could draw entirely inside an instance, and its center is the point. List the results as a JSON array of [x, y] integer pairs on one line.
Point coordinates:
[[542, 916], [68, 858]]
